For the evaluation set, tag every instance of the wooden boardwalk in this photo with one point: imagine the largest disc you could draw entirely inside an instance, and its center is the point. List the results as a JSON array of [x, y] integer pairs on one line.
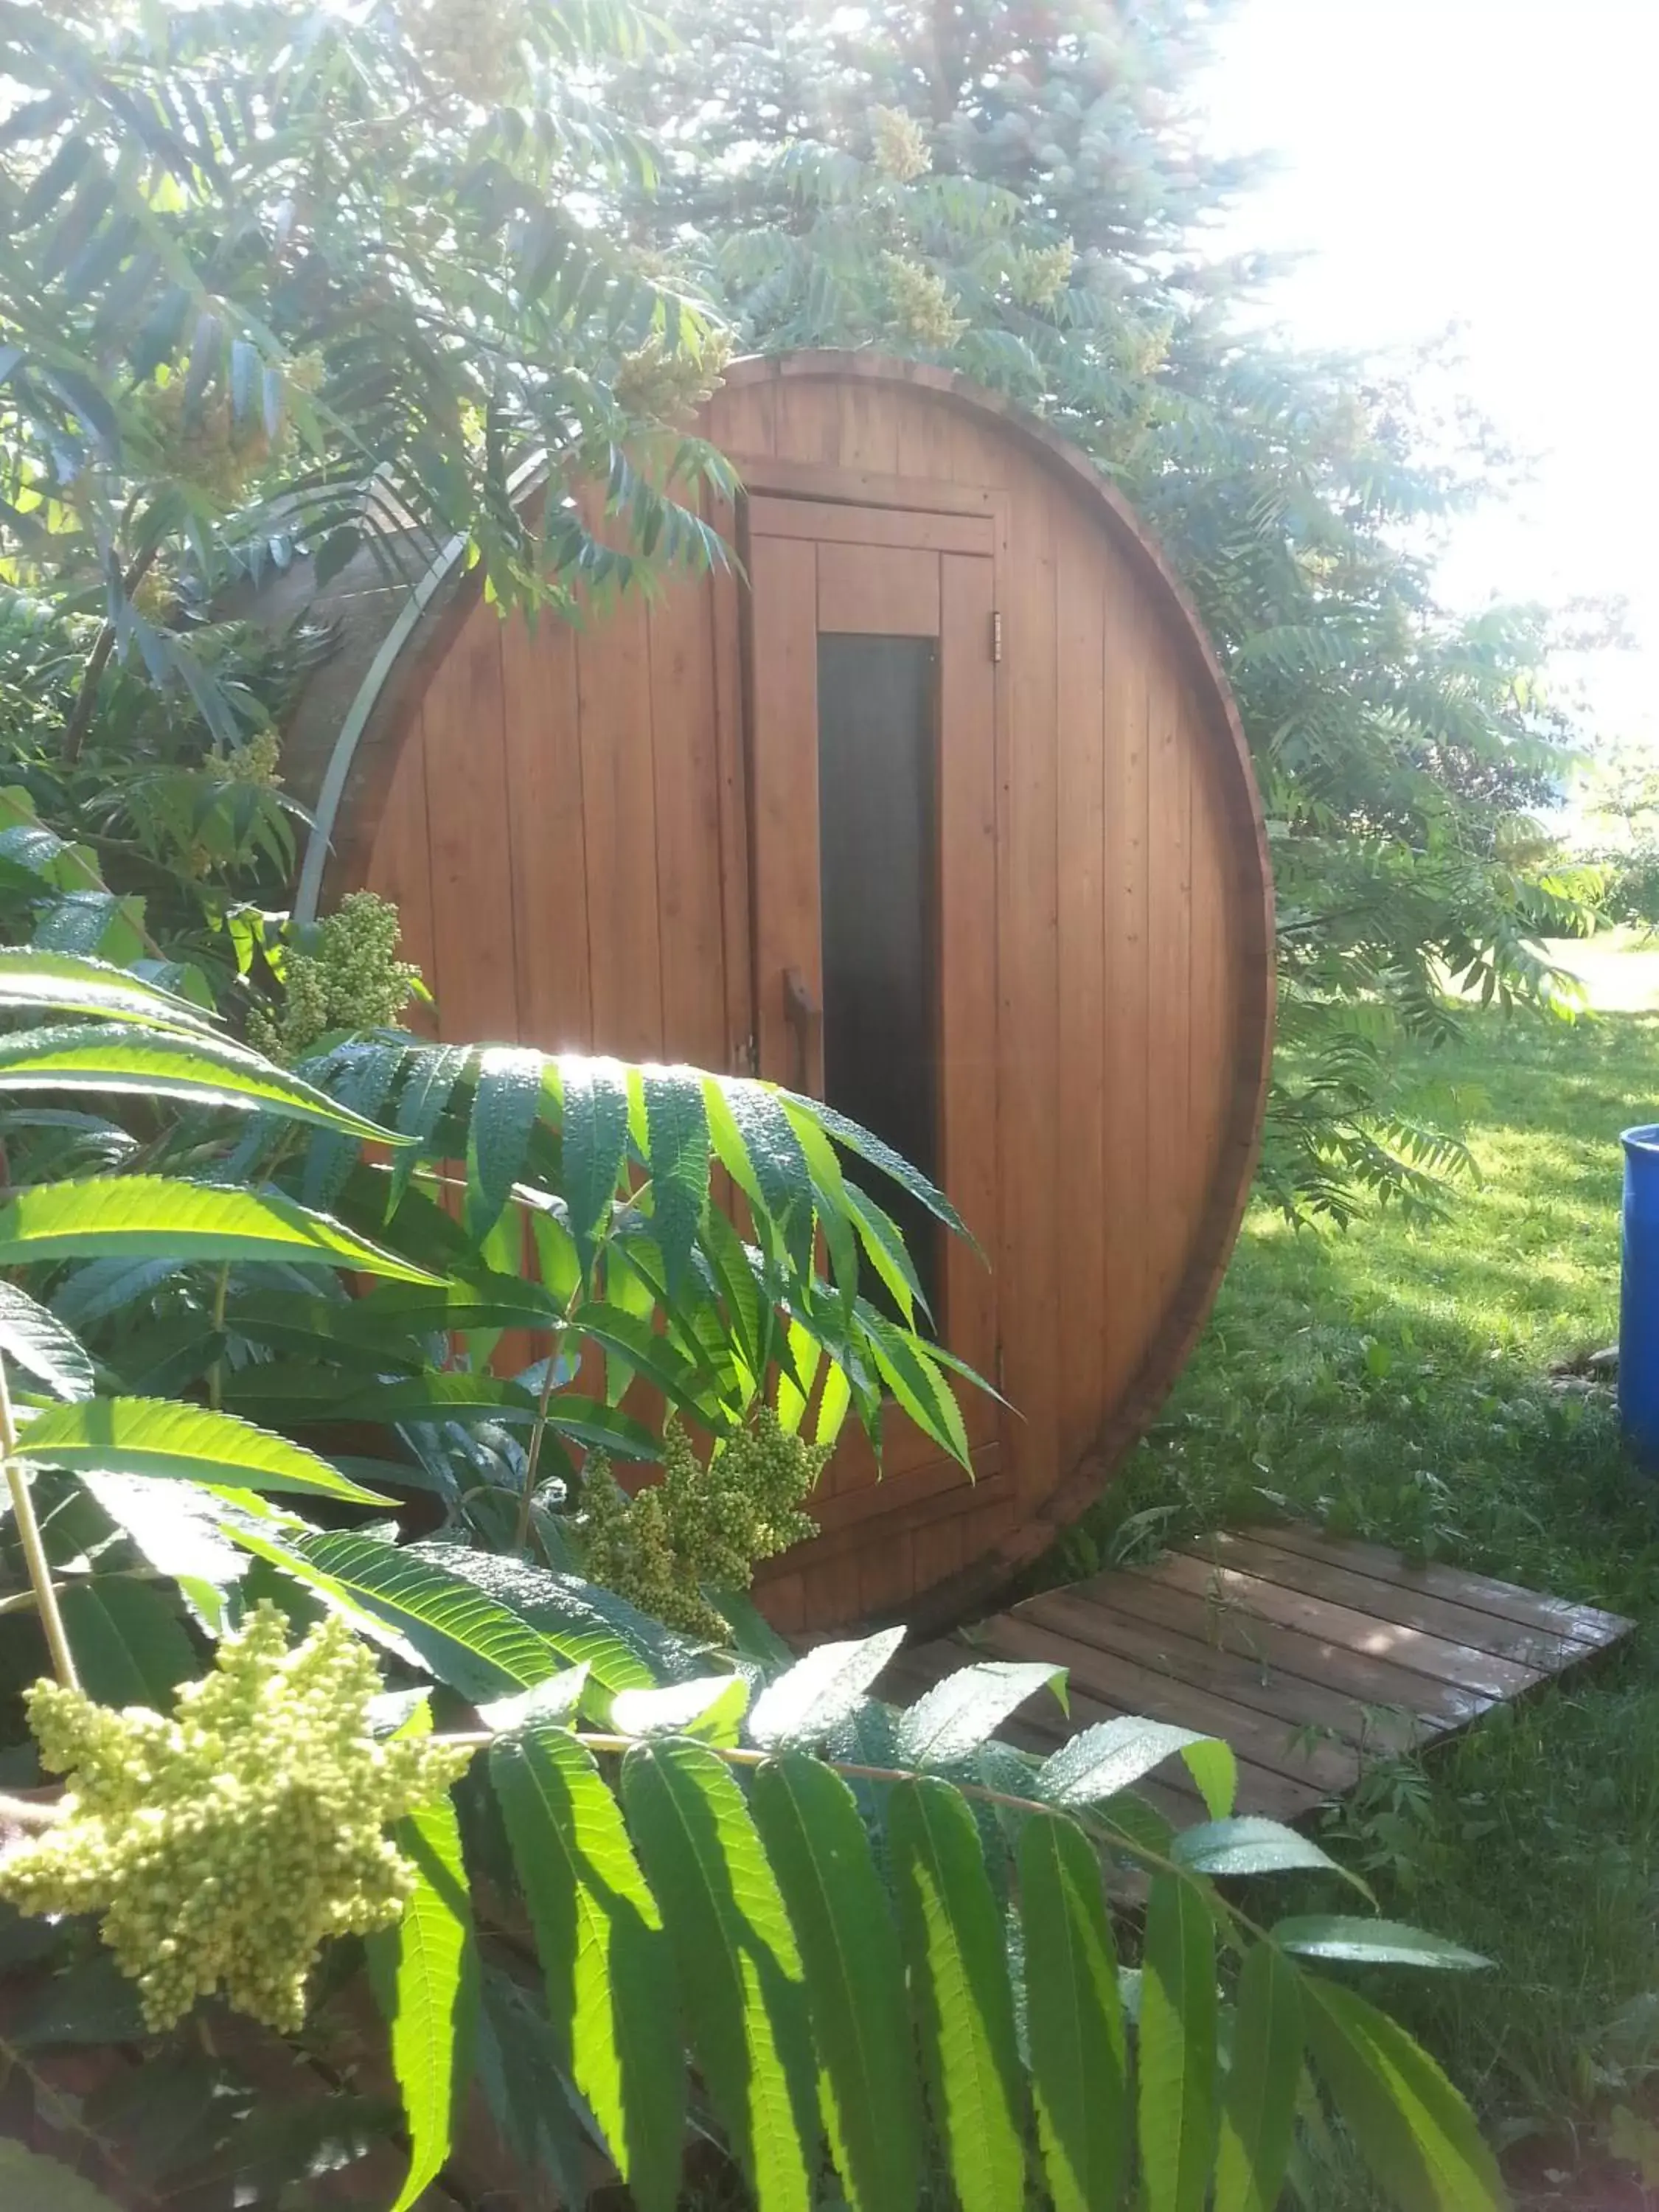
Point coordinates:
[[1306, 1652]]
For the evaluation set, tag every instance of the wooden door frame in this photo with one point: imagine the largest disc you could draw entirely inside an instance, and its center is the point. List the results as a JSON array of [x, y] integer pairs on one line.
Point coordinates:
[[775, 483], [825, 483]]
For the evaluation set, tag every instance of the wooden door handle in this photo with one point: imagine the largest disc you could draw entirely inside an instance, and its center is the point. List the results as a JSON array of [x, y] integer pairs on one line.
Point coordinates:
[[805, 1018]]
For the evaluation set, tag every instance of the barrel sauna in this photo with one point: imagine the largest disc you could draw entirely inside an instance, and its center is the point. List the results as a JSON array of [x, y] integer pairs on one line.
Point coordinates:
[[939, 807]]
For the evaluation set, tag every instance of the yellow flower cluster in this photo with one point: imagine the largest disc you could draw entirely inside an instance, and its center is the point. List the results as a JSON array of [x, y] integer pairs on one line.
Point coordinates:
[[901, 151], [469, 45], [223, 1847], [256, 761], [659, 386], [204, 445], [1041, 276], [922, 304], [352, 980], [700, 1524], [153, 594]]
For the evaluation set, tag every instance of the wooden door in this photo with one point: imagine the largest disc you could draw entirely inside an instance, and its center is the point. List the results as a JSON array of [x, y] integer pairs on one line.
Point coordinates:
[[872, 776]]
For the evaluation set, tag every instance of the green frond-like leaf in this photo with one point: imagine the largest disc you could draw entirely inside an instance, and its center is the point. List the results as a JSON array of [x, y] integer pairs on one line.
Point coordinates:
[[468, 1639], [952, 1937], [957, 1714], [31, 2181], [157, 1217], [1413, 2131], [708, 1709], [1258, 2111], [589, 1625], [153, 1063], [425, 1973], [1074, 2017], [1112, 1756], [432, 1073], [1250, 1846], [1373, 1942], [161, 1439], [739, 1967], [1176, 2062], [504, 1109], [67, 984], [610, 1996], [677, 1125], [593, 1130], [820, 1853], [821, 1691], [42, 1346]]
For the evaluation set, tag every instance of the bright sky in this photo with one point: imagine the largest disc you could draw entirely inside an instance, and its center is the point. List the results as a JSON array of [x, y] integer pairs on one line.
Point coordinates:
[[1489, 163]]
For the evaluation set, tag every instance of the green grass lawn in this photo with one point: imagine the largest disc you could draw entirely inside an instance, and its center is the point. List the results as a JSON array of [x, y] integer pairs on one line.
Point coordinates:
[[1393, 1383]]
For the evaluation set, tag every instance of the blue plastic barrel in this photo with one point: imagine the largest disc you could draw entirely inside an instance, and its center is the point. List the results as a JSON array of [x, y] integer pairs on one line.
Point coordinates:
[[1639, 1299]]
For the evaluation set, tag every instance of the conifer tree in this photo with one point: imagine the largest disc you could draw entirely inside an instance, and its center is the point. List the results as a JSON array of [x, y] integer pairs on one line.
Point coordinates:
[[1023, 192]]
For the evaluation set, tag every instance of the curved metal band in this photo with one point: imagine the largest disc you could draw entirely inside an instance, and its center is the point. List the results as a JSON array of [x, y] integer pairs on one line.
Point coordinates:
[[327, 809]]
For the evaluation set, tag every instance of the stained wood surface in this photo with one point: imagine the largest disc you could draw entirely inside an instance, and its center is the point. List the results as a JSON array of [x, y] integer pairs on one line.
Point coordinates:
[[881, 572], [1307, 1653], [967, 970], [784, 802], [880, 590], [828, 524], [603, 836]]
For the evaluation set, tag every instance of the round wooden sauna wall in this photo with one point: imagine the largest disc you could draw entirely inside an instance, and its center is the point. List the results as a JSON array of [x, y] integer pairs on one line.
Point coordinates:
[[947, 806]]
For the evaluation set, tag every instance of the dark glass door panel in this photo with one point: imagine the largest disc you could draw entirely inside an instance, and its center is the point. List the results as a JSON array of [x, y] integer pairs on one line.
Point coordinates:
[[877, 846]]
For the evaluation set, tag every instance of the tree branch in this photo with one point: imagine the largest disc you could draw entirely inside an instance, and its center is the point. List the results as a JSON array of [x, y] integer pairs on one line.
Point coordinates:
[[86, 700], [34, 1550]]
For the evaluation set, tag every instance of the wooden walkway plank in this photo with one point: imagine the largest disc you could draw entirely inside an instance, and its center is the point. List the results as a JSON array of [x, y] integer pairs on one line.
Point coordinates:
[[1372, 1681], [1264, 1738], [1584, 1623], [1298, 1700], [1543, 1649], [1344, 1625], [1307, 1655]]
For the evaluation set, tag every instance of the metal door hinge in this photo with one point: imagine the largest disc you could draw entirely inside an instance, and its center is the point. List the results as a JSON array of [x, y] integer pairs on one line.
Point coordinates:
[[996, 637]]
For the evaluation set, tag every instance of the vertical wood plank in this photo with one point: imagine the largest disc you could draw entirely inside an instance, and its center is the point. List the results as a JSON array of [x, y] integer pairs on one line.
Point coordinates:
[[1127, 1197], [868, 427], [1080, 737], [924, 437], [784, 677], [807, 420], [620, 827], [936, 1550], [1213, 1044], [400, 868], [1169, 1168], [968, 454], [742, 420], [463, 722], [886, 1574], [545, 837], [687, 805], [834, 1593], [1028, 980], [782, 1599], [968, 965], [737, 949]]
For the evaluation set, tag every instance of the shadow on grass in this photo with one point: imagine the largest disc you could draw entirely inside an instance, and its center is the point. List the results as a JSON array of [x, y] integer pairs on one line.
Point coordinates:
[[1393, 1381]]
